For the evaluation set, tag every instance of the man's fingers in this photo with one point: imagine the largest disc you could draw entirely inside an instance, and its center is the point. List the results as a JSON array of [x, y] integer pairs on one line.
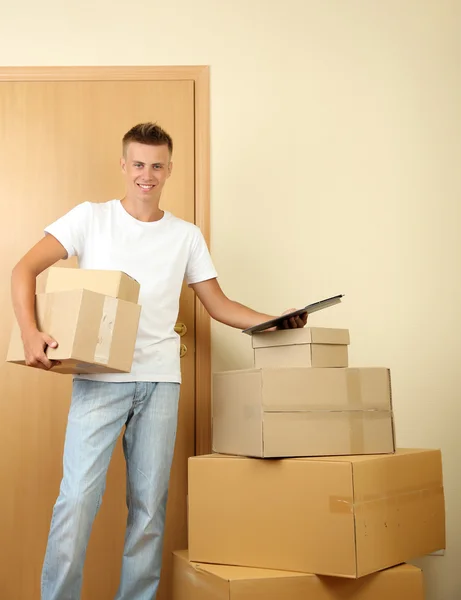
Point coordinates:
[[300, 322], [36, 364], [295, 322], [43, 360], [52, 343]]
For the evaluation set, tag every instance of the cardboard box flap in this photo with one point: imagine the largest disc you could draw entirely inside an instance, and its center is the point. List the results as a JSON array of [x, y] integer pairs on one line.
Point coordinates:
[[235, 573], [201, 581], [192, 582], [107, 282], [306, 335], [309, 389]]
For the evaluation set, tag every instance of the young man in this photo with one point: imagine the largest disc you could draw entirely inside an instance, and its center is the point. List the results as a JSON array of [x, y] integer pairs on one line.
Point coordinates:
[[159, 250]]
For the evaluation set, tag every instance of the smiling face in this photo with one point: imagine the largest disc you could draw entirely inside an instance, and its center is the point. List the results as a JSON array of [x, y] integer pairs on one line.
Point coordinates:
[[146, 169]]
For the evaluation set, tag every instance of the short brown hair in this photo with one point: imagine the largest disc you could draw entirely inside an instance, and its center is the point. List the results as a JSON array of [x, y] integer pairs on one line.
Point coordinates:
[[148, 133]]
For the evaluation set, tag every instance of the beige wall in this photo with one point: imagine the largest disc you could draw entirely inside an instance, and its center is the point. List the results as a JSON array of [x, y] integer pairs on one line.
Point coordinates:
[[336, 154]]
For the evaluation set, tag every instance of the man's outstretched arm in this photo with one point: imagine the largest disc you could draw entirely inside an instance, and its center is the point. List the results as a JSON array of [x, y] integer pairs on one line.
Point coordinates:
[[234, 314]]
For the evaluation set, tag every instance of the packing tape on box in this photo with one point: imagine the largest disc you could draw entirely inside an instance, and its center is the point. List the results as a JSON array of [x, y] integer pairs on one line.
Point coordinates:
[[106, 330], [346, 504], [356, 431], [356, 418]]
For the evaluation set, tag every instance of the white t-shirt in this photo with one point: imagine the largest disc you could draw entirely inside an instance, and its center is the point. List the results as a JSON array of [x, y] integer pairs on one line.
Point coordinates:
[[159, 255]]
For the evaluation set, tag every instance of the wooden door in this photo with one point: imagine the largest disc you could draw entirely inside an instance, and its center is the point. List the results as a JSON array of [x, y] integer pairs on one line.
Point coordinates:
[[60, 145]]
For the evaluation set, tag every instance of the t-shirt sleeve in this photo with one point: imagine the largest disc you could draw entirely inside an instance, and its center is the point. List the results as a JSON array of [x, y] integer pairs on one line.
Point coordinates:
[[70, 229], [200, 265]]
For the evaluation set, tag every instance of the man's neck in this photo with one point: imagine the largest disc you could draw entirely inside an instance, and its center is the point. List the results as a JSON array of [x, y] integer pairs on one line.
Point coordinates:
[[142, 211]]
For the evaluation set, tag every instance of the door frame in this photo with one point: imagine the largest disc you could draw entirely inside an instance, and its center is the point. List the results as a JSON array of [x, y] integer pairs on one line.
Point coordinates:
[[200, 76]]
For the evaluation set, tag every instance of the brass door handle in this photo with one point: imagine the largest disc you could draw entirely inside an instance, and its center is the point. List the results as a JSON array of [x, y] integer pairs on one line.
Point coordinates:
[[182, 350], [181, 329]]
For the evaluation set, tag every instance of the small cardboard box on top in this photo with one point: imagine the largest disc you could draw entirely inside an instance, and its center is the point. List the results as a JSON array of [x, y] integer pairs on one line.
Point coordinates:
[[109, 283], [306, 347], [200, 581], [95, 330], [338, 516], [302, 411]]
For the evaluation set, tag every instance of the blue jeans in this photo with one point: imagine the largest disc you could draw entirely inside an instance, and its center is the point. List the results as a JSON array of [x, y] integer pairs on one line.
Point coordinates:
[[98, 412]]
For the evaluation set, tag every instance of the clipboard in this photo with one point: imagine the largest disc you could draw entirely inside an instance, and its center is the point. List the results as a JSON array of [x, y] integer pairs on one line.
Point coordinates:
[[310, 308]]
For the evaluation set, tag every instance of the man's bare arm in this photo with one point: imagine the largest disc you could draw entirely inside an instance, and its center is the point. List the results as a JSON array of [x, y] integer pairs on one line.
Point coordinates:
[[234, 314], [23, 287]]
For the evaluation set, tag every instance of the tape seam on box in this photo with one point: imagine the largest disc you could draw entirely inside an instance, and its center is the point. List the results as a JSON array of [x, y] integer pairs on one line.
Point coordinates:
[[106, 330], [346, 505]]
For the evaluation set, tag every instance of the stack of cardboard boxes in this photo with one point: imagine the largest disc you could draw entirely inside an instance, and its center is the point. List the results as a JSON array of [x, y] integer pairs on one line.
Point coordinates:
[[305, 495], [94, 316]]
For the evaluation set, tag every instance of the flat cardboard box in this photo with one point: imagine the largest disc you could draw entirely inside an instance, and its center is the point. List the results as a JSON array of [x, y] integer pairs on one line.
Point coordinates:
[[344, 516], [110, 283], [287, 412], [306, 347], [200, 581], [95, 333]]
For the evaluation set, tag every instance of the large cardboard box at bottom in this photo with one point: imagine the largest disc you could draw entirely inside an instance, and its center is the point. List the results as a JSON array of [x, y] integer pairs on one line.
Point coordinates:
[[306, 411], [341, 516], [95, 333], [199, 581]]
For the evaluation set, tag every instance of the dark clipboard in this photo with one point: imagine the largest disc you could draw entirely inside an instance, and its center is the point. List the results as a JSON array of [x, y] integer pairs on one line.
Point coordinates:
[[310, 308]]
